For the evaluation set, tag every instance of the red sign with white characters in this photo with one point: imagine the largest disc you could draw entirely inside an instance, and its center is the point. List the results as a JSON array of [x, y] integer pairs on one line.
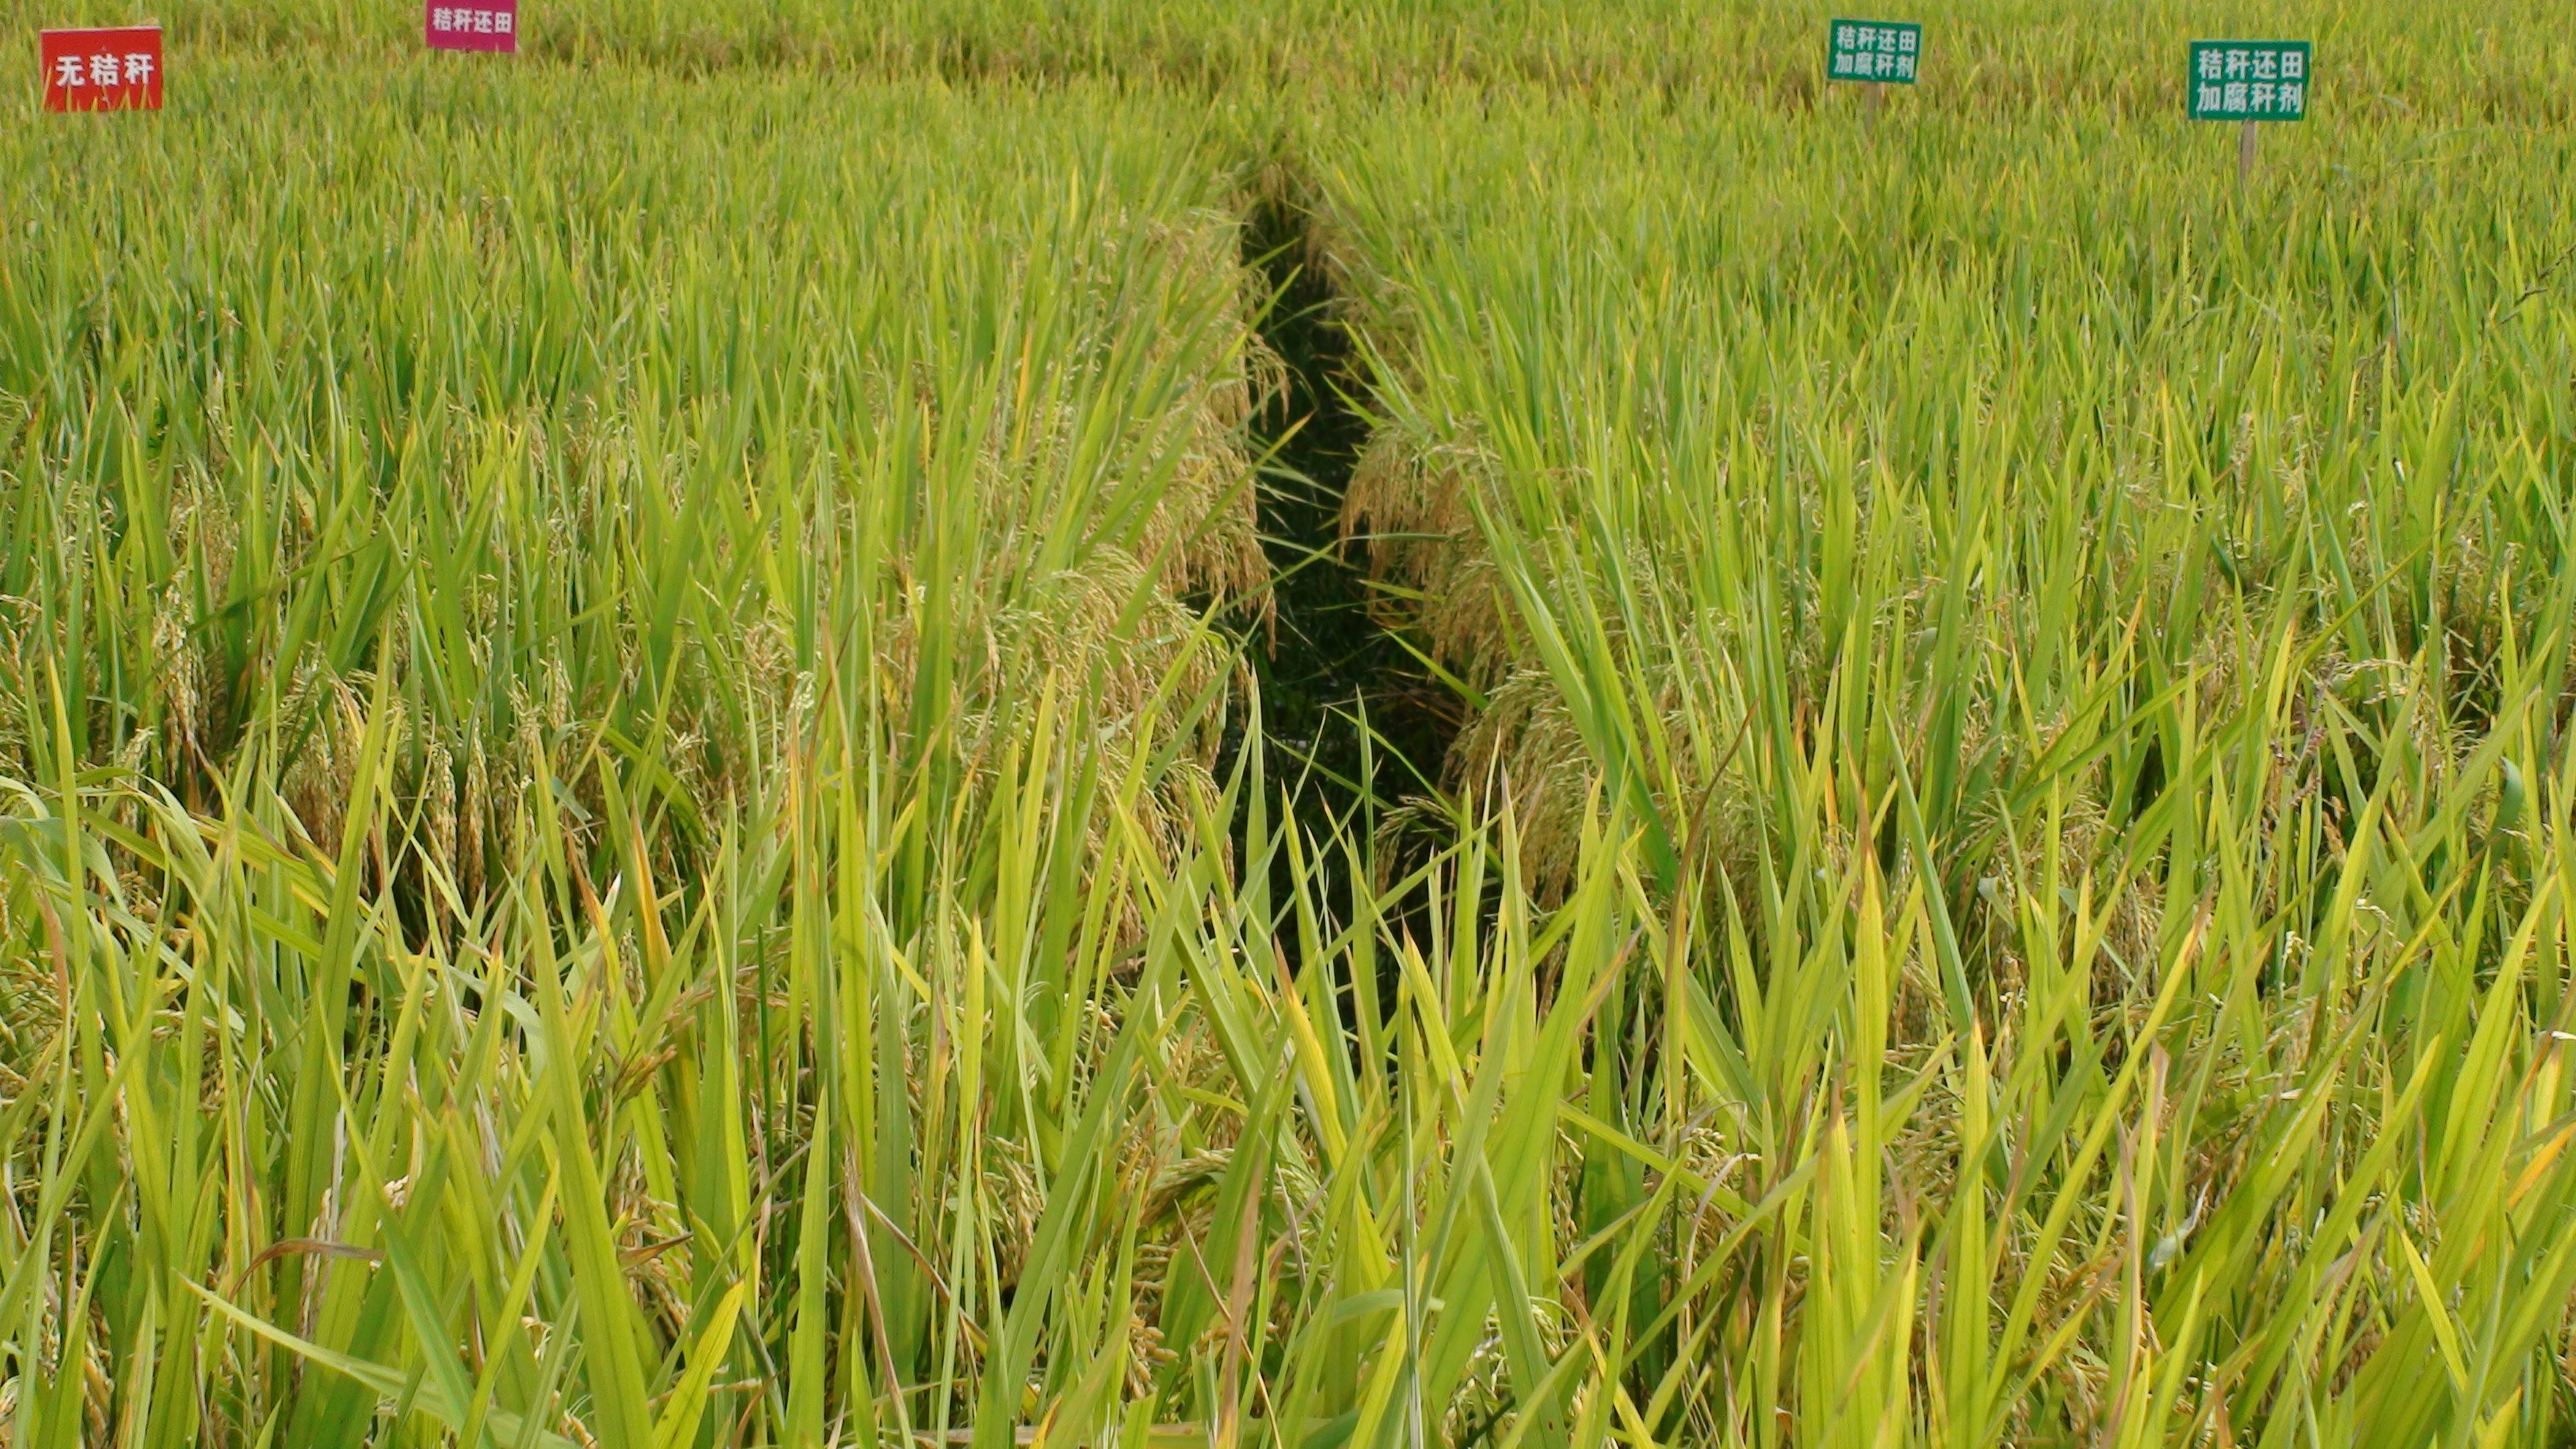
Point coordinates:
[[102, 70], [474, 24]]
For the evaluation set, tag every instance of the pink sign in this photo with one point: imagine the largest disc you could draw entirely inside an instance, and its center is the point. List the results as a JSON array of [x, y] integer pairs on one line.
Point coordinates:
[[474, 25]]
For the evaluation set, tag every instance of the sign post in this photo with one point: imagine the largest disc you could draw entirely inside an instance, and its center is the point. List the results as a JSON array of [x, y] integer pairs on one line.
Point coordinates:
[[102, 70], [2250, 82], [485, 25], [1876, 53]]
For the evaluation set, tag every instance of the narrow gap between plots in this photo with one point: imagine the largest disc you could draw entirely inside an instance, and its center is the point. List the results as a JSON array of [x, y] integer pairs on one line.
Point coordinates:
[[1353, 725]]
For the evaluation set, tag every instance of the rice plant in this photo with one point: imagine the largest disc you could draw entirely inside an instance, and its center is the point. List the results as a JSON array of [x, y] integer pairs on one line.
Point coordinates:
[[634, 809], [399, 511], [2150, 602]]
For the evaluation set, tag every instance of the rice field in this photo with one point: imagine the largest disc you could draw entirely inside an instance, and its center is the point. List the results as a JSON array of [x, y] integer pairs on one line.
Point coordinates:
[[1305, 724]]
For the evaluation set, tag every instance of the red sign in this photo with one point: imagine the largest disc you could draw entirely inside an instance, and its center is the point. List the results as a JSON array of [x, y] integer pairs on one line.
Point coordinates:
[[474, 25], [103, 70]]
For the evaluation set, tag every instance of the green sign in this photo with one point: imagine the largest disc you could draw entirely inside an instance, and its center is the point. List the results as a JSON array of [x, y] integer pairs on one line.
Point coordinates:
[[2249, 80], [1873, 50]]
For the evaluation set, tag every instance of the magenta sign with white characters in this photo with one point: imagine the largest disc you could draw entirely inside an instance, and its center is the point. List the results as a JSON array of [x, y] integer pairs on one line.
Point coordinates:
[[474, 25]]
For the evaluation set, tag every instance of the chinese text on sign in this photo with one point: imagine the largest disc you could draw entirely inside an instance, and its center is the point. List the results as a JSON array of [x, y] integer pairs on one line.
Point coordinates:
[[2249, 80], [102, 70], [1873, 50], [480, 25]]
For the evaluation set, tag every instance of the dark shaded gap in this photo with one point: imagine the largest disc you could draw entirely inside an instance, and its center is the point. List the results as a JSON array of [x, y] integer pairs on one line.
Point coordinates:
[[1328, 661]]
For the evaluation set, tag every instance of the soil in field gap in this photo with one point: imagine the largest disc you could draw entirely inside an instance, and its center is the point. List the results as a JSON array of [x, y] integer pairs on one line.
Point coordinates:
[[1331, 662]]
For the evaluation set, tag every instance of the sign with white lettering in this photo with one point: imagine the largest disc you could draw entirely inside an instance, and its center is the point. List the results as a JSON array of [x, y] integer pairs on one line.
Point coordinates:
[[1873, 50], [102, 70], [2250, 80], [475, 25]]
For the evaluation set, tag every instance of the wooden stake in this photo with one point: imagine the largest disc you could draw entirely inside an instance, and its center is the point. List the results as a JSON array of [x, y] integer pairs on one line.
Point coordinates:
[[2245, 157], [1869, 109]]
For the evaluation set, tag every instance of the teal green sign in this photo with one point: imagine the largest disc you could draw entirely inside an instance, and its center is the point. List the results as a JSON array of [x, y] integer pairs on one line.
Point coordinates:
[[2250, 80], [1886, 51]]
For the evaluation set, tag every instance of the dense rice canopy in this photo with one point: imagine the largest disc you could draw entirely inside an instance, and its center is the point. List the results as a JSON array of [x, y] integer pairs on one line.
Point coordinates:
[[633, 811]]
